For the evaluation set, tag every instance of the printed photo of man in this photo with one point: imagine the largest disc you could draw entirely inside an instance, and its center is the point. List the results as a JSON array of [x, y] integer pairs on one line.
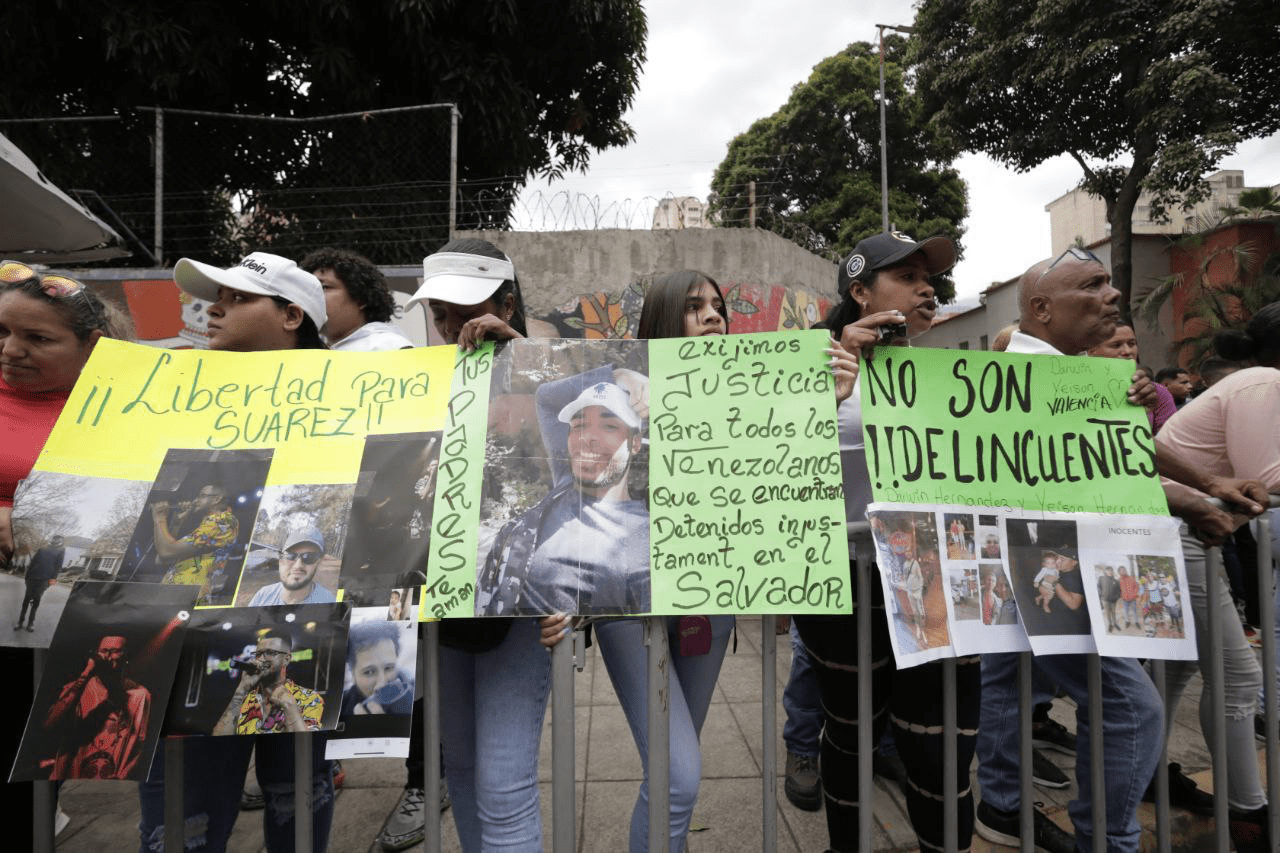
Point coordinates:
[[266, 700], [100, 718], [299, 561]]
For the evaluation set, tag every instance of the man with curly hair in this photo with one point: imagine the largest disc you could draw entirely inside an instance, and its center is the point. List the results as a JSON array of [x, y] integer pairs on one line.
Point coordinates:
[[358, 301]]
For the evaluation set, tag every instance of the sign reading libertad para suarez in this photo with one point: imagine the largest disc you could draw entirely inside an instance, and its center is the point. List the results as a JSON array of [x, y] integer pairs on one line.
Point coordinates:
[[988, 429]]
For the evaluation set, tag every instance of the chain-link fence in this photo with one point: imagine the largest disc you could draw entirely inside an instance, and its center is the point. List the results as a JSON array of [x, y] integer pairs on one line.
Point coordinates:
[[215, 186]]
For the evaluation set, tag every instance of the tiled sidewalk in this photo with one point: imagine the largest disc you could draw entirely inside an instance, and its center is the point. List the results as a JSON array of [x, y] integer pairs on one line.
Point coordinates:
[[104, 816]]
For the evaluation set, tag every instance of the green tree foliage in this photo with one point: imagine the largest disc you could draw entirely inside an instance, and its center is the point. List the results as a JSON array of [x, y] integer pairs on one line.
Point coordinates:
[[816, 161], [539, 88], [1143, 94]]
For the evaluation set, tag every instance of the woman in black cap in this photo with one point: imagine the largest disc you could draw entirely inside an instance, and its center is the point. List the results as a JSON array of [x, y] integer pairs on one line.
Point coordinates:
[[886, 298]]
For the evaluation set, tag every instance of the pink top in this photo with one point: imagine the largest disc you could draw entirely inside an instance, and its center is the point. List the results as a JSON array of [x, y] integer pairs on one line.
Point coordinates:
[[26, 419], [1233, 429]]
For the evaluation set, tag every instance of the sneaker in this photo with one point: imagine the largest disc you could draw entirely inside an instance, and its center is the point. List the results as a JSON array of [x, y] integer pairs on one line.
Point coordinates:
[[1250, 831], [1183, 793], [803, 785], [1260, 726], [406, 825], [1251, 634], [339, 775], [251, 798], [1051, 734], [1045, 773], [60, 821], [1001, 827]]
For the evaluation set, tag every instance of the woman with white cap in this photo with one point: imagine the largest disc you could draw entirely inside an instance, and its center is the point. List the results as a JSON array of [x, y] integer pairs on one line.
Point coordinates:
[[263, 303], [494, 672]]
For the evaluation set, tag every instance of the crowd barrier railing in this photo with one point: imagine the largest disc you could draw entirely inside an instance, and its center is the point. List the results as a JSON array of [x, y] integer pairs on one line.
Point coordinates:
[[567, 655]]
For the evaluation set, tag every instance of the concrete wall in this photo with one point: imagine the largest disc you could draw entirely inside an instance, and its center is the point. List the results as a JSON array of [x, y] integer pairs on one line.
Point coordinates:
[[576, 283]]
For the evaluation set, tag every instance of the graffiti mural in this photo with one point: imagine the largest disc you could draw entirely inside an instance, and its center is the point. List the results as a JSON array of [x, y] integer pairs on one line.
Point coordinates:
[[752, 308]]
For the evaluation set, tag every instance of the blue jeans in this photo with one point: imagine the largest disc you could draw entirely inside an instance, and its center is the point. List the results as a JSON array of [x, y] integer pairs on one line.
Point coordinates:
[[692, 682], [214, 770], [1132, 732], [495, 701], [801, 702]]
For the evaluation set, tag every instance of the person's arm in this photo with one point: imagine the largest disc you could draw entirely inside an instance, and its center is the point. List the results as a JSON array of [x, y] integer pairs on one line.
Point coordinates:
[[69, 695], [281, 698], [844, 369], [1211, 525], [1066, 596], [168, 547], [6, 533], [226, 724], [1249, 495]]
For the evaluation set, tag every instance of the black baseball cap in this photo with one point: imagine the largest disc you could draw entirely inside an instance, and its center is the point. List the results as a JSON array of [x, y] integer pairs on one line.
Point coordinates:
[[888, 248]]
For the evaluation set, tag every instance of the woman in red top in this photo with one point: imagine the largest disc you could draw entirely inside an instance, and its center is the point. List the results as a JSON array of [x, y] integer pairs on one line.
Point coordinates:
[[48, 326]]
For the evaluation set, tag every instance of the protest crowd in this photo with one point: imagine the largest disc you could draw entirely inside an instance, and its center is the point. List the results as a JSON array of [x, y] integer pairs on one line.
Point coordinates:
[[1216, 440]]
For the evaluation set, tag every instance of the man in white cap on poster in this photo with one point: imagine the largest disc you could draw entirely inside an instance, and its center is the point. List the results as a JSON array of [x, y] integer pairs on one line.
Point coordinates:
[[584, 548]]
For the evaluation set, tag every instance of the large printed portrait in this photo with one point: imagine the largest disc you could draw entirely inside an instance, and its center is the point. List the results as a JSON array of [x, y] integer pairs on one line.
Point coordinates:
[[102, 695], [194, 528], [564, 519]]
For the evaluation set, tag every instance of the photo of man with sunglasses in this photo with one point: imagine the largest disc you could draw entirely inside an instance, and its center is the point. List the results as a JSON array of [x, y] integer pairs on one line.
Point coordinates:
[[299, 561], [266, 700]]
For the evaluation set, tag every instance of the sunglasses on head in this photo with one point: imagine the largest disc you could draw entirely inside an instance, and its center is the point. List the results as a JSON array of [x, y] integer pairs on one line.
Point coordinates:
[[57, 286], [307, 558], [1074, 252]]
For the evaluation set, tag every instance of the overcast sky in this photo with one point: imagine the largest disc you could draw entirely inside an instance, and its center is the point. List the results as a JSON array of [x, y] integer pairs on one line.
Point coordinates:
[[715, 66]]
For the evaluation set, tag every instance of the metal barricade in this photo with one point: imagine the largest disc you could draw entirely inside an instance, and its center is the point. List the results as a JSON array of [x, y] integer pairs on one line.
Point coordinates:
[[563, 831]]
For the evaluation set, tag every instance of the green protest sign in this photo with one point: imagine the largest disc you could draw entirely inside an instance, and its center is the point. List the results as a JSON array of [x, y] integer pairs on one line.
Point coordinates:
[[1005, 430], [747, 513]]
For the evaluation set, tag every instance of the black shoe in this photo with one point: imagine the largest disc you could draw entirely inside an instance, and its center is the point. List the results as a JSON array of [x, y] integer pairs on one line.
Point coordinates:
[[1250, 831], [1051, 734], [1001, 827], [889, 768], [1183, 793], [1045, 773], [803, 785], [1260, 727]]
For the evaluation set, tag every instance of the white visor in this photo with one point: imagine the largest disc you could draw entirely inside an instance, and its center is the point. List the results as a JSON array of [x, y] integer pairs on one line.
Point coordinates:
[[460, 278]]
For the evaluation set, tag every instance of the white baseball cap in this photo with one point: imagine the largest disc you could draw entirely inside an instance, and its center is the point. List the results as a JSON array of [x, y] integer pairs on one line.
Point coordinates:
[[606, 394], [461, 278], [260, 273]]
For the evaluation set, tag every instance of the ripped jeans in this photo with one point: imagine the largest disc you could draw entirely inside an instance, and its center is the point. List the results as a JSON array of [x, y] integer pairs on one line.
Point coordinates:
[[1242, 679], [214, 770]]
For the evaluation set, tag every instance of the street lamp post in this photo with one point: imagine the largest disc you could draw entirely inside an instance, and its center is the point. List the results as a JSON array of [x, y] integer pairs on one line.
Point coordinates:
[[884, 144]]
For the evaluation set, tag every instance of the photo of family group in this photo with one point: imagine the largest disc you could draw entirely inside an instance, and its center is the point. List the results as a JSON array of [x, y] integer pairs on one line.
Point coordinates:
[[1140, 597], [914, 591], [102, 695], [564, 516]]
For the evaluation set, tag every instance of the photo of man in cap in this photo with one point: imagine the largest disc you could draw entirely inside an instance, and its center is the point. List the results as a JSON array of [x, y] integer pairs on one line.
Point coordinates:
[[1047, 583], [299, 561], [584, 548]]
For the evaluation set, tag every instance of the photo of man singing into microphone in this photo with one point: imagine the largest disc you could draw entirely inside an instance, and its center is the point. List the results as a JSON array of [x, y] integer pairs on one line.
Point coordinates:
[[195, 525]]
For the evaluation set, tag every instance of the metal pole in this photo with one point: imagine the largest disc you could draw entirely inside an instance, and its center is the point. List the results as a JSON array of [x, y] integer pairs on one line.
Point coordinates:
[[866, 793], [655, 638], [884, 144], [159, 202], [1026, 799], [1164, 838], [303, 837], [453, 170], [562, 748], [950, 793], [1217, 701], [1267, 618], [431, 734], [768, 729], [175, 813], [1097, 773], [42, 813]]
